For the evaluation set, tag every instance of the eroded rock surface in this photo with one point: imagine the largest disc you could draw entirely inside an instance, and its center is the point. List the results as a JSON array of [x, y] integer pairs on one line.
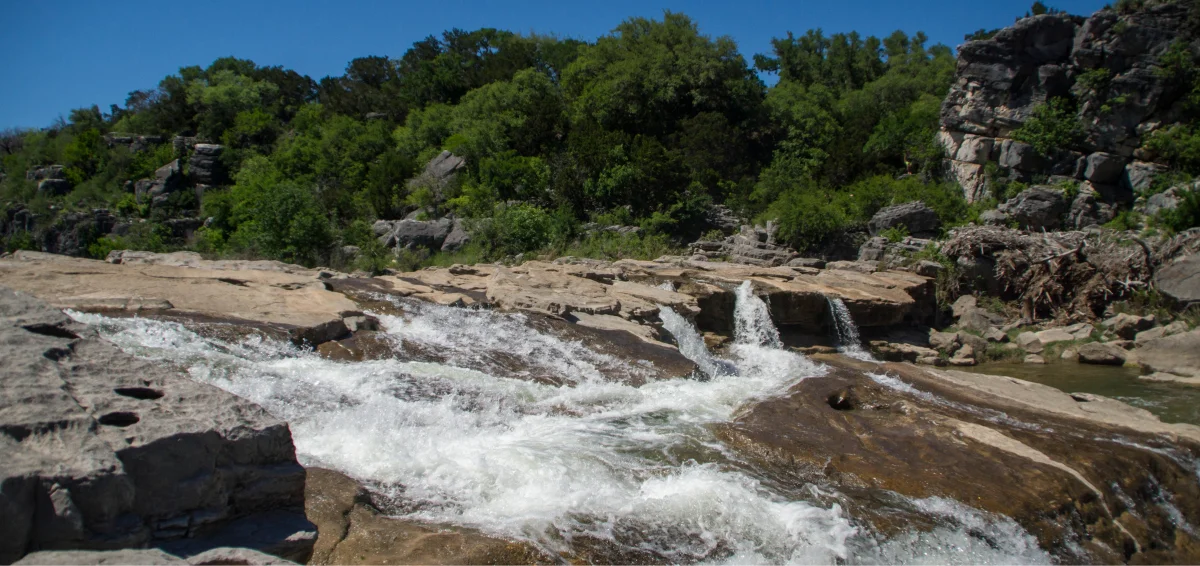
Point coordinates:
[[105, 450], [1075, 471]]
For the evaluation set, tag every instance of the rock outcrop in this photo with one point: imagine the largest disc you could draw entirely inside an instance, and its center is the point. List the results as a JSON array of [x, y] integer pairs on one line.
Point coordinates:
[[930, 433], [204, 167], [752, 245], [439, 173], [1109, 63], [103, 450]]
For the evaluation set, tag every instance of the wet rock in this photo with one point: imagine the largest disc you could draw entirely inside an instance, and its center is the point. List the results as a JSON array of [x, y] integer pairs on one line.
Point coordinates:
[[354, 531], [1058, 487], [1101, 354], [105, 450], [915, 217]]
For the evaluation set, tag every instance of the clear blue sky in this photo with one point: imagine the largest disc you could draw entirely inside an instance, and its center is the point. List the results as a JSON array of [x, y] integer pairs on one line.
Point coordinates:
[[68, 54]]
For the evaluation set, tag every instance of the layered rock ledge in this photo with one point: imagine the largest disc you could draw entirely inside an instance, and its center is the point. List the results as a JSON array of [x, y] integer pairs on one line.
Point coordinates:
[[103, 450]]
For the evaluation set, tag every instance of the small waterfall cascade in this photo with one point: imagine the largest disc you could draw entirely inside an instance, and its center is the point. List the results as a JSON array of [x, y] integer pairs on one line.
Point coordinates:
[[752, 320], [692, 345], [848, 341], [470, 441]]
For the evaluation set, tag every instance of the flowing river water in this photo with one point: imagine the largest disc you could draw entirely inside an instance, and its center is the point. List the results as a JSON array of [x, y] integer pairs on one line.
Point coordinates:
[[594, 461]]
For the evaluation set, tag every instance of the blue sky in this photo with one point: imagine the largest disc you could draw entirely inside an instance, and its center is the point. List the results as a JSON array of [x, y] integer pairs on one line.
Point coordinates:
[[68, 54]]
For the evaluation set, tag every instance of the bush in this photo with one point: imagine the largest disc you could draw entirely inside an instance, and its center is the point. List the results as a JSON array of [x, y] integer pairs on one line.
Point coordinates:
[[521, 228], [1178, 145], [1185, 215], [1053, 127]]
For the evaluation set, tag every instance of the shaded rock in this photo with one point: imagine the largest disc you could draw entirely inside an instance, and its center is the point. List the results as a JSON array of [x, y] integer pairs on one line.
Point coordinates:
[[126, 451], [926, 268], [1139, 175], [917, 218], [1104, 168], [414, 234], [1019, 156], [205, 166], [457, 238], [1101, 354], [994, 217], [54, 187], [815, 263], [1127, 325], [1036, 208]]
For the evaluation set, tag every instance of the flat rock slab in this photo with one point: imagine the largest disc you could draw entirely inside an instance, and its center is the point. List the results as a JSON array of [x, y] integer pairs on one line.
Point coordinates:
[[250, 291]]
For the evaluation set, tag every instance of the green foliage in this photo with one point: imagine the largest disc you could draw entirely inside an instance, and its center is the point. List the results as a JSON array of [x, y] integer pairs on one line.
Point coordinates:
[[807, 213], [1178, 145], [895, 234], [519, 228], [1095, 80], [1130, 6], [1125, 220], [1185, 215], [1052, 127]]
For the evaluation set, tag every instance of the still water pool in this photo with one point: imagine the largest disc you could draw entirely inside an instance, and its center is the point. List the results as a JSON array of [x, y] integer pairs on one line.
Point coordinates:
[[1172, 403]]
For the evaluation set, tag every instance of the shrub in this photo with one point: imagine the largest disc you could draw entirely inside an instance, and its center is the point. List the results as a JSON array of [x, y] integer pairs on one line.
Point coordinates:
[[1185, 215], [1052, 127], [1178, 145], [521, 228], [895, 234]]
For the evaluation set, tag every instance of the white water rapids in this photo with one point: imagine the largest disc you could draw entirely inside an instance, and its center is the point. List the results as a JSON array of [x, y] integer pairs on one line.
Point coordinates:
[[593, 461]]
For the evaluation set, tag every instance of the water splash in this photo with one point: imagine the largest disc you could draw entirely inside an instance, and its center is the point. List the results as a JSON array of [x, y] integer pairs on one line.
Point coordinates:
[[752, 319], [848, 341], [634, 468], [692, 345]]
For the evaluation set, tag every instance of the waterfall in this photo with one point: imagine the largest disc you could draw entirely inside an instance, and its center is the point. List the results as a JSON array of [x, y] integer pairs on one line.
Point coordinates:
[[692, 345], [471, 441], [752, 320], [848, 341]]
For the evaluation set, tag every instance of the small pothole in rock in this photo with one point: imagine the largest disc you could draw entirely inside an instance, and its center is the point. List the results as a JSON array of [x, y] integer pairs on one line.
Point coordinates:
[[51, 330], [843, 400], [120, 419], [144, 393]]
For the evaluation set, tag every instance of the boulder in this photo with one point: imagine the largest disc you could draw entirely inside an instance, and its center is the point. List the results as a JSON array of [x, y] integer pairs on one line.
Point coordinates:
[[1180, 281], [994, 217], [1101, 354], [1139, 175], [1029, 342], [1104, 168], [1053, 335], [54, 187], [1164, 201], [1037, 207], [152, 556], [106, 450], [439, 173], [457, 238], [917, 218], [1019, 156], [1178, 354], [1087, 210], [415, 234], [1127, 325], [1034, 359], [1172, 329]]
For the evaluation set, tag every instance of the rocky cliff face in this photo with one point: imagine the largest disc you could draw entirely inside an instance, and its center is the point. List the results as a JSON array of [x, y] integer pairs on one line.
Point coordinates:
[[1109, 68]]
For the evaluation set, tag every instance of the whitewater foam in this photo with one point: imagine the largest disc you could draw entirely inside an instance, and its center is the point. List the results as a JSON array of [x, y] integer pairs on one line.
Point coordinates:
[[849, 343], [470, 442]]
